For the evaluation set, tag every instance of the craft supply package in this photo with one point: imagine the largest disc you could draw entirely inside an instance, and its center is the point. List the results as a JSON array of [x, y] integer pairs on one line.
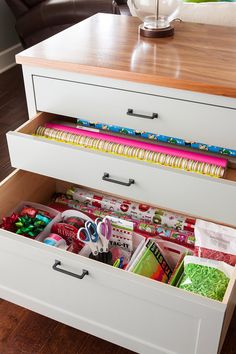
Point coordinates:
[[140, 244]]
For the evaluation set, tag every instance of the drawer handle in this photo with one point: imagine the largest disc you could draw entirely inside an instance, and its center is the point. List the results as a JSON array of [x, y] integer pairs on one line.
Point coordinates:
[[131, 112], [58, 263], [106, 177]]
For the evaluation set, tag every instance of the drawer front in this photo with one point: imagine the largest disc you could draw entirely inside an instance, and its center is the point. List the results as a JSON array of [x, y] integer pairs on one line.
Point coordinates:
[[108, 303], [124, 308], [177, 118], [186, 192]]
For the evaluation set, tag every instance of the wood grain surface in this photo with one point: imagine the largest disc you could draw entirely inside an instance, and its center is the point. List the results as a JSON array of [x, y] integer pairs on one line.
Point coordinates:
[[199, 57], [25, 332]]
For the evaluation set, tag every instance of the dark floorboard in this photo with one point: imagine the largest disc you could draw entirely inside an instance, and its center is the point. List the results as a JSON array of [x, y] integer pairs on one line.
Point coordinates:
[[23, 331], [13, 112]]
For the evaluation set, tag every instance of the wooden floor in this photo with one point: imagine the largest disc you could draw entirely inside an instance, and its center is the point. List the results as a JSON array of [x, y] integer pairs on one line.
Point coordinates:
[[25, 332]]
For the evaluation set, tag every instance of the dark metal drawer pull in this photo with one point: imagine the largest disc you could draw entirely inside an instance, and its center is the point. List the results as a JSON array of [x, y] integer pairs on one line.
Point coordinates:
[[58, 263], [106, 178], [131, 112]]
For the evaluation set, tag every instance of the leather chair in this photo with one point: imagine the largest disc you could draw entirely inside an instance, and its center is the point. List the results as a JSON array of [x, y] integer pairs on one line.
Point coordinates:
[[37, 20]]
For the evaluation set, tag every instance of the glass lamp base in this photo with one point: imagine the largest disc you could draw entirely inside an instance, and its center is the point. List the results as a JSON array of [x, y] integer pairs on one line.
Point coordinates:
[[156, 32]]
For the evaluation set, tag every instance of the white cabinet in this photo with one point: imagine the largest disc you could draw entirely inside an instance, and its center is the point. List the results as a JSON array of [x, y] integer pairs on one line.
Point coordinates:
[[150, 310], [77, 74]]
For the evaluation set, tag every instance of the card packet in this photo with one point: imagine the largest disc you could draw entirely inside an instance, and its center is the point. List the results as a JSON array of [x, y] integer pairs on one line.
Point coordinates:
[[215, 241]]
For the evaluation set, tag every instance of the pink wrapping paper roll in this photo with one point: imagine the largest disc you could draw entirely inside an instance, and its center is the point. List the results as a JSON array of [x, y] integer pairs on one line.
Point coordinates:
[[142, 145]]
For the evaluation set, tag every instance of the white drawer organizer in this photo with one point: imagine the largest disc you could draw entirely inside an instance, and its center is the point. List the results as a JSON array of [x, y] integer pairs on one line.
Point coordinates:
[[149, 317]]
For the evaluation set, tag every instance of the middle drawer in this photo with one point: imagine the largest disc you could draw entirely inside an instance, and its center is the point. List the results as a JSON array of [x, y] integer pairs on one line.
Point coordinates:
[[190, 193]]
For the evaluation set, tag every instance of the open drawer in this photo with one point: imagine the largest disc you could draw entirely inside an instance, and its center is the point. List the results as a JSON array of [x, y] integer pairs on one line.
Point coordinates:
[[177, 118], [190, 193], [127, 309]]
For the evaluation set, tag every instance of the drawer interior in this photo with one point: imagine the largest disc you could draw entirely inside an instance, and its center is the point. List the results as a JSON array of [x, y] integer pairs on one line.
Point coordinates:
[[30, 127], [28, 186], [21, 185]]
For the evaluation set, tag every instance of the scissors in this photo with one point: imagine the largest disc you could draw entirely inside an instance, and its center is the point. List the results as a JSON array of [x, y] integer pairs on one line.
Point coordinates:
[[104, 230], [89, 236]]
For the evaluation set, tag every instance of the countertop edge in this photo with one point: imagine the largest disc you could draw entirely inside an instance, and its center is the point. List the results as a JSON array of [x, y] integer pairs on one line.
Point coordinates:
[[189, 85]]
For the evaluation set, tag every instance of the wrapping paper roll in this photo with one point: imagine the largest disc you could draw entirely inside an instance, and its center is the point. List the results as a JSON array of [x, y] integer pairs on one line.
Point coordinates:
[[182, 237], [185, 238], [141, 145], [157, 137], [132, 209], [185, 160]]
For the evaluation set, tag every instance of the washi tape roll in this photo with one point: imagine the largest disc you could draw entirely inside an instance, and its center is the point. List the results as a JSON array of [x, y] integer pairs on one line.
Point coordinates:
[[55, 240]]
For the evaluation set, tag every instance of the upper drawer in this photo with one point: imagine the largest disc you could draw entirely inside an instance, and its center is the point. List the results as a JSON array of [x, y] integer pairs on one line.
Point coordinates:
[[187, 192], [192, 121]]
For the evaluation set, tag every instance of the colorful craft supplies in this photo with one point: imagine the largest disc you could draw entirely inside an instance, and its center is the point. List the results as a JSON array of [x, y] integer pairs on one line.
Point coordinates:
[[177, 272], [55, 241], [162, 155], [66, 231], [182, 237], [152, 263], [28, 221], [206, 277], [67, 228], [114, 223], [120, 242], [119, 262], [215, 241], [157, 137]]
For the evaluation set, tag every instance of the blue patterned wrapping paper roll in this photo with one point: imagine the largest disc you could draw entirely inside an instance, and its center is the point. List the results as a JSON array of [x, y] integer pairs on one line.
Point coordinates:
[[157, 137]]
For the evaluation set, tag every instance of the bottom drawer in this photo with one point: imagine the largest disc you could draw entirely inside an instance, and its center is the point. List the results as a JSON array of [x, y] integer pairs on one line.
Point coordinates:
[[135, 312]]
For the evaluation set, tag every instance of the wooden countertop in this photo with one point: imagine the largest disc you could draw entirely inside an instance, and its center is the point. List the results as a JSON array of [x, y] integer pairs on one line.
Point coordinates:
[[199, 57]]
